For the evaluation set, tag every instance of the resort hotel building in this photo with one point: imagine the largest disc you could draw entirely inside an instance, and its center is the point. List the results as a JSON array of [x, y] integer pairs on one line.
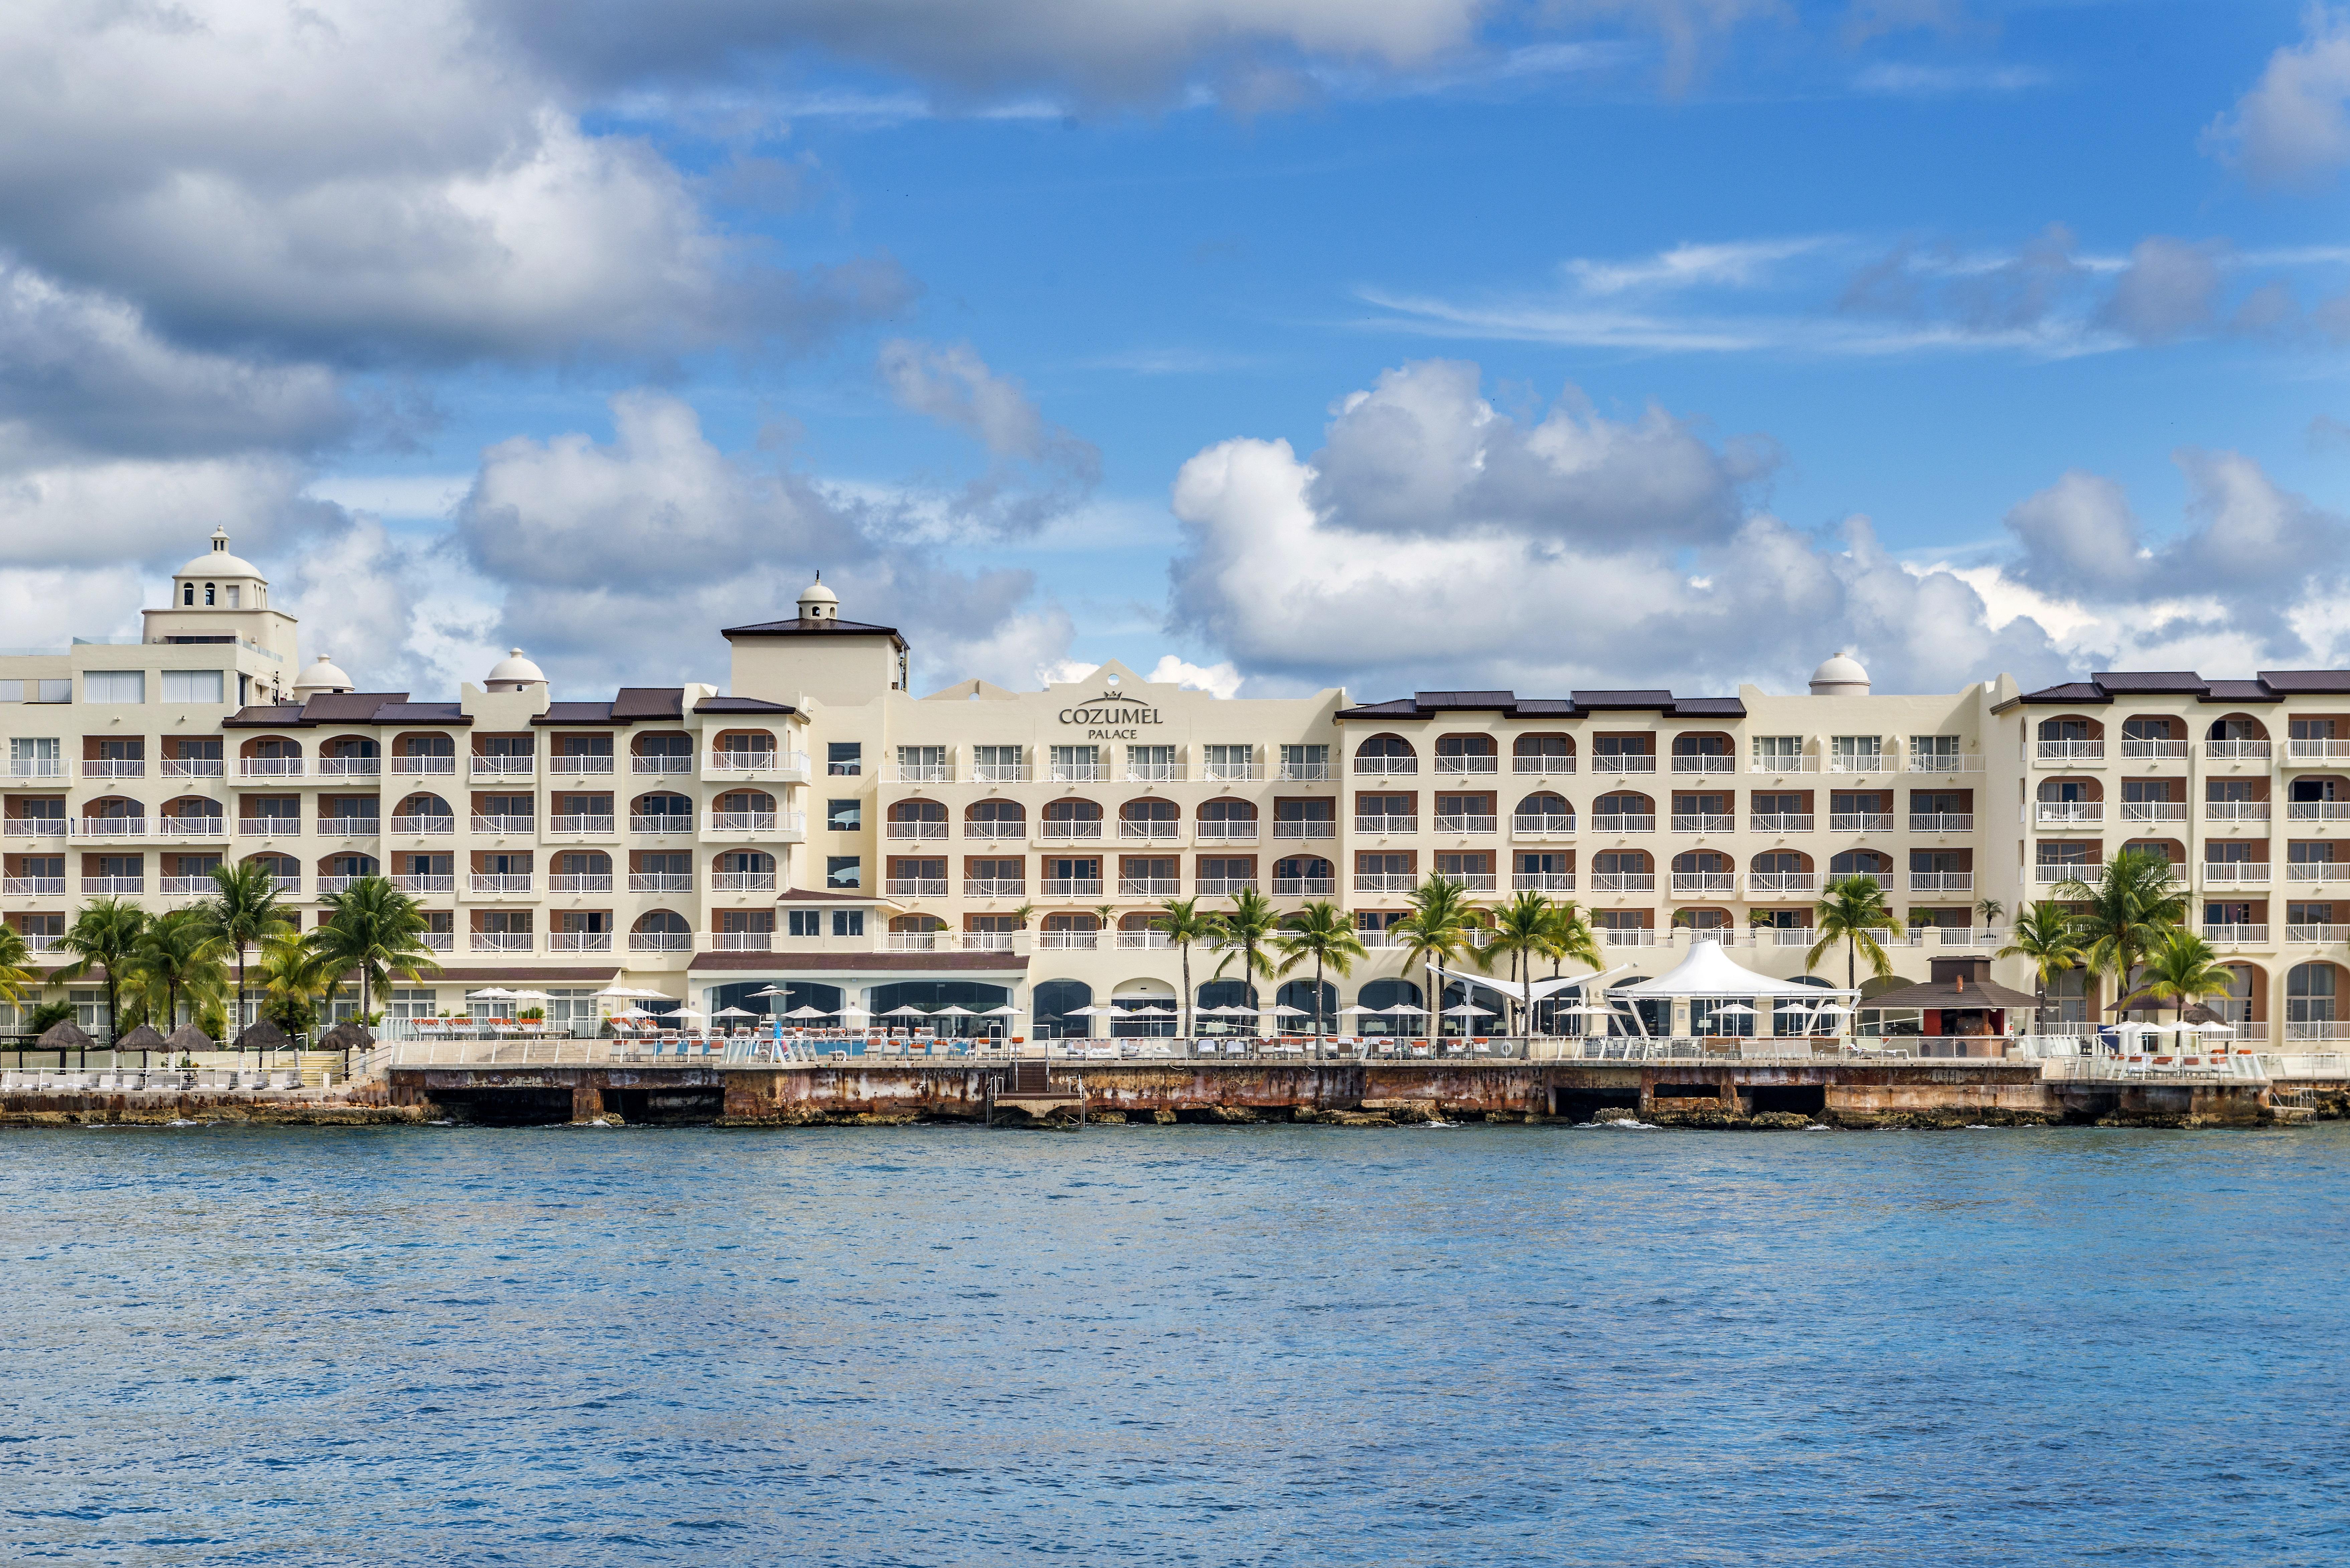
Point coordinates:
[[809, 824]]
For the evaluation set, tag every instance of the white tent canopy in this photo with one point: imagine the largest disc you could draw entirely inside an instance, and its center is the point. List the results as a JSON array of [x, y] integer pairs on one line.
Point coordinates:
[[1529, 990], [1710, 972]]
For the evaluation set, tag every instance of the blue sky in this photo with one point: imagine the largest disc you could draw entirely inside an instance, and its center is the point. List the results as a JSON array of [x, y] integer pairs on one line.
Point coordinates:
[[1590, 330]]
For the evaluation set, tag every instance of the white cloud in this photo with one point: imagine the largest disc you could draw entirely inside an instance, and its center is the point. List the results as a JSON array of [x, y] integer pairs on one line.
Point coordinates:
[[1887, 80], [1737, 264], [2172, 289], [127, 511], [2294, 126], [1217, 680], [1042, 469]]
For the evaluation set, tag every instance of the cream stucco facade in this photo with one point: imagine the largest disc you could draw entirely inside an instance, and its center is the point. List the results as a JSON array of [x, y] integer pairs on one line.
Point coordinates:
[[811, 824]]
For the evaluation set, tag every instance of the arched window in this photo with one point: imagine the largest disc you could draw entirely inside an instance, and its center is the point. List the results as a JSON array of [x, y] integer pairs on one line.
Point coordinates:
[[1382, 994], [424, 813], [995, 819], [1053, 1005], [1860, 863], [1467, 754], [1304, 876], [1543, 754], [660, 812], [917, 819], [1227, 821], [1386, 755], [660, 931], [1544, 811], [2310, 994], [1151, 818], [1299, 993], [1068, 819]]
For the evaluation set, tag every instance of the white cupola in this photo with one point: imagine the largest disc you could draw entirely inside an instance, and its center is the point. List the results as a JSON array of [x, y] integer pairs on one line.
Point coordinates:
[[818, 602], [514, 673], [218, 580], [322, 676], [1840, 675]]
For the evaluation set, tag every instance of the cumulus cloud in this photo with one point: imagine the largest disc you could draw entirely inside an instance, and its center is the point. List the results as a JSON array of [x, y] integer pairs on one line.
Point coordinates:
[[1303, 583], [1041, 469], [2294, 126], [2172, 289], [157, 512]]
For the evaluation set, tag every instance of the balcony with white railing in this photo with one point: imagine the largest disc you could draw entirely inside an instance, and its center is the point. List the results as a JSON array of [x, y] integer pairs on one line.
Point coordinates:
[[1131, 830], [2317, 811], [334, 885], [2317, 871], [660, 941], [1604, 821], [1387, 827], [739, 822], [742, 881], [1227, 830], [2299, 1029], [192, 768], [269, 767], [1075, 941], [1859, 763], [289, 886], [787, 766], [2153, 751], [1860, 822], [1944, 882], [1542, 766], [1304, 886], [660, 881], [915, 887], [1386, 767], [193, 887], [1305, 828], [2235, 811], [500, 941], [666, 766], [2066, 754], [743, 941], [1781, 767], [2297, 751], [423, 827], [350, 767], [1684, 762], [578, 825], [939, 941], [666, 823], [1541, 881], [2068, 813], [424, 763], [38, 942], [482, 766], [437, 941], [2330, 935], [209, 826], [33, 827], [1070, 886], [1705, 884], [579, 882], [1151, 887], [1000, 772], [112, 886], [109, 828], [1626, 935], [1153, 773], [915, 829], [37, 768], [2236, 873], [1624, 763], [422, 884], [501, 883], [1304, 772], [997, 832], [1077, 772], [575, 765], [1486, 764], [114, 768], [1623, 881], [1782, 884], [2237, 750], [578, 941], [1459, 826], [1781, 822], [1385, 881], [918, 773], [2046, 873], [1939, 821], [505, 826], [1536, 824], [1937, 763], [1069, 830], [995, 887], [38, 887], [269, 828], [350, 827], [987, 942], [1785, 936], [1473, 882], [2233, 935], [1703, 822], [2154, 811], [1882, 879], [1148, 940]]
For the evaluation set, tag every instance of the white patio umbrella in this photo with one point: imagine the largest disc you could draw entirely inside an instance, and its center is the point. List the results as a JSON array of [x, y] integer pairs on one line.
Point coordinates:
[[1465, 1010], [490, 993], [532, 996], [1283, 1010], [620, 991], [736, 1013], [906, 1010], [1151, 1012], [1007, 1011], [808, 1013], [952, 1011], [769, 991]]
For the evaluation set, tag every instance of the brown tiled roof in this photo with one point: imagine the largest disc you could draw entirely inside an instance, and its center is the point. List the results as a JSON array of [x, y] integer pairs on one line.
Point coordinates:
[[1427, 705], [742, 705], [499, 974], [800, 627], [1943, 993], [641, 702]]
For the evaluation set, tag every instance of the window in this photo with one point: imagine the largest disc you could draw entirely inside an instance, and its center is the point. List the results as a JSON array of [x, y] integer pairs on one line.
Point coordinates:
[[1857, 753], [923, 764], [849, 922], [1306, 762], [844, 816], [411, 1001], [995, 764], [49, 690], [1930, 749], [232, 595], [114, 686], [1778, 754], [188, 595], [191, 686], [844, 871], [845, 759], [1230, 761], [806, 922], [1076, 763]]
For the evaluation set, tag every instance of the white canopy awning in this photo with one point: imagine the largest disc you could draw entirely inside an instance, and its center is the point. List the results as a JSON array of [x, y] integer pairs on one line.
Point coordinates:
[[1708, 972]]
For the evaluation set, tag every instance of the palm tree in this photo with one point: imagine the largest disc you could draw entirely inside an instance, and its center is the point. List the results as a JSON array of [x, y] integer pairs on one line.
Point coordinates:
[[377, 929], [16, 964], [1522, 929], [1435, 931], [179, 954], [1247, 932], [103, 935], [1324, 933], [2042, 933], [246, 912], [2185, 967], [1568, 934], [1185, 923], [2128, 912], [294, 973], [1853, 908], [1990, 909]]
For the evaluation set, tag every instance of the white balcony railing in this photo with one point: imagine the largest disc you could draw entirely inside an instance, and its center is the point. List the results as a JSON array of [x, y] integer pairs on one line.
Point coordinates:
[[1623, 822], [51, 767], [916, 886], [500, 941], [420, 883], [1860, 822], [2317, 871], [1080, 941], [38, 887], [2317, 811], [1387, 827], [760, 822], [2330, 934], [350, 826], [1071, 887], [575, 764], [995, 887], [779, 764], [743, 941], [2134, 750], [2236, 873], [1623, 881], [661, 825], [2232, 935], [424, 763], [1782, 884], [38, 942], [1941, 821], [1534, 825], [504, 825], [195, 887], [269, 767], [660, 881], [1627, 936], [1000, 772], [1705, 884], [501, 881], [2318, 749], [1305, 828], [2317, 1028], [1304, 772], [1066, 830], [1145, 940], [34, 827], [920, 773], [1154, 773], [334, 885], [423, 827], [1684, 762], [2068, 813], [1944, 763], [1472, 882], [578, 941], [112, 886], [1152, 886], [350, 767], [580, 824], [2153, 810], [1077, 772], [2235, 811], [1882, 879], [579, 882], [269, 828], [1780, 766], [1226, 830], [665, 765], [1780, 822], [114, 767], [1856, 762], [211, 825], [1486, 762], [1457, 825], [1386, 767], [1624, 763], [917, 941], [1541, 881], [1385, 881], [193, 768], [1542, 766], [2047, 872], [660, 941], [1230, 773], [900, 828], [2058, 754], [1144, 831], [2237, 750], [1941, 881], [1703, 822], [997, 830], [1225, 887], [1304, 886], [742, 881], [481, 766]]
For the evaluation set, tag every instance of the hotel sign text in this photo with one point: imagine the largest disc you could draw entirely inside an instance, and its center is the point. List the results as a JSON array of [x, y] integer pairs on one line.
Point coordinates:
[[1110, 717]]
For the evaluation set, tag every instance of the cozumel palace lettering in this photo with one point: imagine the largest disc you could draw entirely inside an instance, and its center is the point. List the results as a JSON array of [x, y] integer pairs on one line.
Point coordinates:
[[1107, 718]]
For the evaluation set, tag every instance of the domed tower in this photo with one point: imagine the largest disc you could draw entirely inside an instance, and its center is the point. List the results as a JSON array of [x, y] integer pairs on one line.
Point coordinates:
[[322, 678], [1840, 675], [818, 602], [220, 596], [514, 673]]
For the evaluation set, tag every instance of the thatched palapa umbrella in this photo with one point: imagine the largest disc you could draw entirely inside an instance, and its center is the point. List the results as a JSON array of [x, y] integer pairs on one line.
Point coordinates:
[[187, 1039], [65, 1035], [262, 1035], [146, 1037]]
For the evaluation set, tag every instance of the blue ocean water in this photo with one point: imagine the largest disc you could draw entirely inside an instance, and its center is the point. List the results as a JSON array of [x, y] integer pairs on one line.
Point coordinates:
[[1180, 1345]]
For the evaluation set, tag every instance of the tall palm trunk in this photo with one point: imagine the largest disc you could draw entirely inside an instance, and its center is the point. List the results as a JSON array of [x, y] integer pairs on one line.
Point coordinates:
[[1318, 996]]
